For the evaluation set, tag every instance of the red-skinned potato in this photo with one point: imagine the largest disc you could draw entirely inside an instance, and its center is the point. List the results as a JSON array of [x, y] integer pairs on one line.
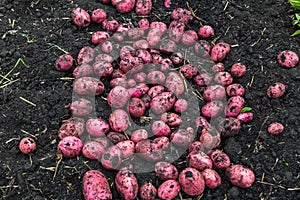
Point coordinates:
[[165, 171], [162, 102], [161, 143], [230, 126], [85, 55], [174, 83], [158, 25], [210, 138], [202, 48], [189, 37], [131, 65], [64, 62], [176, 30], [245, 117], [118, 97], [196, 146], [234, 106], [220, 159], [180, 105], [223, 78], [107, 47], [167, 46], [156, 77], [202, 122], [191, 181], [147, 192], [206, 31], [117, 73], [93, 150], [118, 82], [276, 90], [288, 59], [171, 119], [103, 141], [154, 36], [168, 190], [136, 107], [167, 3], [199, 160], [110, 25], [70, 146], [72, 127], [104, 57], [102, 68], [148, 151], [212, 109], [219, 51], [138, 135], [135, 33], [127, 51], [214, 92], [97, 127], [99, 37], [238, 70], [83, 70], [88, 86], [81, 107], [98, 15], [203, 79], [80, 17], [212, 178], [176, 58], [112, 158], [188, 71], [131, 82], [119, 120], [275, 128], [144, 55], [156, 90], [240, 176], [116, 137], [141, 44], [182, 138], [95, 186], [127, 147], [140, 77], [27, 145], [143, 7], [144, 23], [160, 128], [218, 67], [235, 89], [125, 6], [126, 184], [182, 14], [135, 92]]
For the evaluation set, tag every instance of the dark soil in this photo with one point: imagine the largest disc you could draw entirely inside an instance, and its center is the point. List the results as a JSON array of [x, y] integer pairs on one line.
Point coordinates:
[[257, 30]]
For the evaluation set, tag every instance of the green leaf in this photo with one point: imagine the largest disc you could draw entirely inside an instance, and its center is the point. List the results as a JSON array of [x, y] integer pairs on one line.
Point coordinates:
[[295, 22], [296, 33], [297, 16], [246, 109], [295, 4], [286, 164]]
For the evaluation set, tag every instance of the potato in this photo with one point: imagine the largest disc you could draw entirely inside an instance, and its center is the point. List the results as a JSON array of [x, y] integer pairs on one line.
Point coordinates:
[[111, 158], [156, 77], [126, 184], [158, 25], [118, 82], [235, 89], [144, 23], [99, 37], [141, 44], [203, 79], [140, 77], [245, 117], [144, 55], [98, 15], [155, 90], [168, 190], [165, 171], [176, 58], [135, 33], [154, 36], [234, 106], [223, 78], [97, 127], [95, 186], [219, 67], [212, 109], [212, 178], [116, 137], [148, 151], [110, 25], [240, 176], [27, 145], [118, 97], [276, 90], [220, 159], [214, 92], [174, 83], [180, 105], [131, 82], [167, 46], [93, 150], [72, 127], [147, 192], [202, 48], [135, 93], [188, 71], [146, 99], [189, 37], [166, 64], [138, 135], [206, 31], [196, 146], [182, 138], [125, 6], [131, 65], [136, 107], [162, 102], [191, 181], [107, 47], [160, 128], [64, 62], [119, 120], [85, 55], [80, 17], [83, 70], [230, 126], [176, 30], [238, 70], [167, 3], [199, 160], [219, 51], [127, 147], [202, 122], [103, 141], [127, 51], [143, 7], [81, 107], [104, 57], [288, 59], [143, 88], [210, 138], [275, 128], [70, 146], [88, 86], [161, 143], [171, 119], [182, 14]]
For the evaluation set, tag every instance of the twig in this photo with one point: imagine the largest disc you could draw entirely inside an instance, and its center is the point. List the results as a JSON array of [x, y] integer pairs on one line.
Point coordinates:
[[194, 15], [27, 101], [58, 47]]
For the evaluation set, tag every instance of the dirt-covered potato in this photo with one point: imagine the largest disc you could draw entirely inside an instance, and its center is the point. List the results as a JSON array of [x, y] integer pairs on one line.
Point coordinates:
[[165, 171], [171, 119], [154, 36], [126, 184], [135, 92], [210, 138], [214, 92], [212, 109], [188, 71], [196, 146], [177, 58], [168, 190], [99, 37], [144, 55], [107, 47], [174, 83], [189, 37], [135, 33], [112, 158], [220, 159], [72, 127], [102, 68], [182, 14], [206, 31], [147, 192], [180, 105], [166, 63], [98, 15], [149, 151], [119, 120], [219, 51], [141, 44], [103, 141], [80, 17], [125, 6], [127, 147], [245, 117], [230, 126], [156, 90], [199, 160], [144, 23], [218, 67], [136, 107], [110, 25], [240, 176], [156, 77], [104, 57], [234, 106], [162, 102], [118, 97], [238, 70], [64, 62], [116, 137], [158, 25], [85, 55], [191, 181], [88, 86], [97, 127], [95, 186], [27, 145], [118, 82], [83, 70], [70, 146], [143, 7], [167, 46], [127, 51], [182, 138], [140, 77], [81, 107], [203, 79], [276, 90], [161, 143], [131, 64], [223, 78], [235, 89], [202, 122], [93, 150], [202, 48], [176, 30], [212, 178], [275, 128], [160, 128], [287, 59], [138, 135]]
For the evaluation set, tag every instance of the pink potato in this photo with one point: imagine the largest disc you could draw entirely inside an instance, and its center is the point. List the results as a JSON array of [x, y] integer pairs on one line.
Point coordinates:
[[189, 37], [199, 160], [149, 151], [219, 51], [182, 14], [111, 158], [212, 178], [161, 143], [131, 65], [95, 186], [165, 171], [99, 37], [174, 83], [166, 64], [85, 55], [98, 15], [240, 176], [93, 150], [104, 57], [203, 79], [160, 128], [135, 92], [140, 77], [88, 86], [182, 138], [70, 146], [171, 119], [136, 107], [27, 145], [143, 7], [102, 68], [230, 126], [116, 137], [202, 122], [118, 82], [138, 135], [127, 51], [220, 159], [180, 105], [156, 77], [162, 102], [144, 55], [118, 97], [188, 71], [288, 59], [127, 147], [218, 67], [107, 47], [144, 23], [235, 89], [119, 120], [202, 48], [64, 62], [154, 36], [141, 44], [156, 90], [210, 138], [238, 70], [158, 25], [206, 31], [223, 78], [191, 181], [110, 25], [147, 192], [234, 106], [276, 90], [214, 92], [131, 82], [72, 127], [123, 28], [97, 127], [167, 3], [212, 109], [176, 58], [103, 141], [245, 117], [135, 33], [168, 190], [81, 107], [126, 184], [196, 146], [80, 17], [83, 70], [176, 30], [125, 6], [275, 128]]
